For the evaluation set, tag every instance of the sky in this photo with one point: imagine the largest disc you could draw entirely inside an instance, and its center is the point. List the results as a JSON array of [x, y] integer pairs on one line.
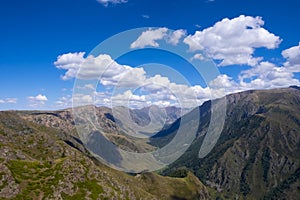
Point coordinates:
[[59, 51]]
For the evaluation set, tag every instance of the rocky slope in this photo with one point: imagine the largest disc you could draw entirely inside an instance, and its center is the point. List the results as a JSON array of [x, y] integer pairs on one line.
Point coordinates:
[[42, 162], [258, 153]]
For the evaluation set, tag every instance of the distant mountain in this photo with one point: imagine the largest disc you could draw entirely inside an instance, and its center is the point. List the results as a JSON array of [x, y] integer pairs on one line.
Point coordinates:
[[118, 127], [43, 158], [145, 121], [258, 153], [166, 114]]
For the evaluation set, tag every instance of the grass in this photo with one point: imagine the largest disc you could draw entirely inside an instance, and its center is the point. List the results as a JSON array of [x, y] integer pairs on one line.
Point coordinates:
[[90, 186], [35, 177]]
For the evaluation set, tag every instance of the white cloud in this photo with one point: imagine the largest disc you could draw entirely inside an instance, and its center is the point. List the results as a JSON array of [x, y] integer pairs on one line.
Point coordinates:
[[157, 88], [102, 67], [64, 102], [222, 80], [8, 100], [39, 97], [103, 99], [70, 62], [233, 41], [175, 36], [129, 99], [292, 55], [149, 38], [36, 101], [11, 100], [107, 2], [163, 90], [152, 36], [82, 99], [198, 56], [267, 75], [86, 87]]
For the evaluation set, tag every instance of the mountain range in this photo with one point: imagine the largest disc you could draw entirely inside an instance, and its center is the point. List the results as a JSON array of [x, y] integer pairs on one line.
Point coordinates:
[[257, 155]]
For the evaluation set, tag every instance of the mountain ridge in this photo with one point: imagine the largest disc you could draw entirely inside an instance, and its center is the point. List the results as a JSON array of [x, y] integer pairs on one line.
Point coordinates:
[[258, 150], [40, 162], [256, 156]]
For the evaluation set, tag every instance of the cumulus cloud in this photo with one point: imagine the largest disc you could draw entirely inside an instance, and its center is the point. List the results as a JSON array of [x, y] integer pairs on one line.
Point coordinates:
[[267, 75], [175, 36], [39, 97], [70, 62], [149, 38], [107, 2], [292, 56], [198, 56], [157, 88], [233, 41], [102, 67], [83, 99], [36, 101], [224, 80], [130, 99]]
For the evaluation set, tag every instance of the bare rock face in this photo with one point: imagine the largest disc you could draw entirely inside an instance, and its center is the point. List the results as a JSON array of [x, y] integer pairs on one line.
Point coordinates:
[[55, 119]]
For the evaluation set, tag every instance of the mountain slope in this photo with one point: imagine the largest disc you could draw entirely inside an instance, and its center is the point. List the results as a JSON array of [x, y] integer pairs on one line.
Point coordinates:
[[41, 162], [258, 153], [119, 129]]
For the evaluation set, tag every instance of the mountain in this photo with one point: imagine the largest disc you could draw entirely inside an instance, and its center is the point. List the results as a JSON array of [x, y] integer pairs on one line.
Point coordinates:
[[145, 121], [166, 114], [120, 128], [258, 153], [43, 158]]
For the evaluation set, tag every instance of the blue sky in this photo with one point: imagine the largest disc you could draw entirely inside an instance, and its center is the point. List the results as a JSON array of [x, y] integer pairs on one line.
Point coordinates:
[[34, 33]]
